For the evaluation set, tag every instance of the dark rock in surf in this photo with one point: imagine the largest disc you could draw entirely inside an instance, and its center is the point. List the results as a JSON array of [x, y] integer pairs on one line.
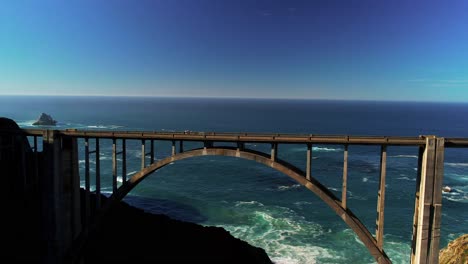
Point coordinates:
[[45, 120]]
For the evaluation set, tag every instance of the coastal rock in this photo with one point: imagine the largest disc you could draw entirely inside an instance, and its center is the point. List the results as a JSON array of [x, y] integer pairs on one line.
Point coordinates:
[[45, 120], [456, 251], [155, 238]]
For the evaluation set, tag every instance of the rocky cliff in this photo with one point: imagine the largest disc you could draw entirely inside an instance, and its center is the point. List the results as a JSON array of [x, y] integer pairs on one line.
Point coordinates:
[[130, 235], [456, 251]]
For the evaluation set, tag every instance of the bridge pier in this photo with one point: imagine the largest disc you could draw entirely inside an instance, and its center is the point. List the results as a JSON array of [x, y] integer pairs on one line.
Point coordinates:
[[428, 203], [60, 196]]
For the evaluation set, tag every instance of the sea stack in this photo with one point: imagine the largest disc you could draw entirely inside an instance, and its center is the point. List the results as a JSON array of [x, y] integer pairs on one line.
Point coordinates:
[[45, 120]]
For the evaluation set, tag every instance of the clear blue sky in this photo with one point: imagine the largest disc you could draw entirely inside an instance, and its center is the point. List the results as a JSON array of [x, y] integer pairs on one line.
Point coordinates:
[[371, 50]]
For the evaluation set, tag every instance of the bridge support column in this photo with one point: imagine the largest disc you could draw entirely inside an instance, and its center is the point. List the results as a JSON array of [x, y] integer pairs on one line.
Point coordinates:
[[60, 196], [428, 203]]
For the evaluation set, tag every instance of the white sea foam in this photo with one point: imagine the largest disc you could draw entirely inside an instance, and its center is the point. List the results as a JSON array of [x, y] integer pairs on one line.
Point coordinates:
[[241, 203], [458, 194], [461, 164], [26, 123], [288, 187], [404, 156], [352, 196], [91, 161], [365, 179], [274, 234], [104, 126], [316, 149], [406, 178], [131, 173], [324, 149], [301, 203]]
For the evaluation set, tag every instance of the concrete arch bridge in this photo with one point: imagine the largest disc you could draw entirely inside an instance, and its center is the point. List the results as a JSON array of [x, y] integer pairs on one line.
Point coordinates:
[[57, 163]]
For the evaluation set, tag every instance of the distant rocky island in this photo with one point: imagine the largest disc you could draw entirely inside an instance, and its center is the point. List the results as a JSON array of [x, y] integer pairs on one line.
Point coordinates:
[[45, 120]]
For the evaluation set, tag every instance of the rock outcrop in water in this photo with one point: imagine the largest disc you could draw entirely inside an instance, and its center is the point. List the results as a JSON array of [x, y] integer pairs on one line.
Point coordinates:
[[456, 251], [45, 120]]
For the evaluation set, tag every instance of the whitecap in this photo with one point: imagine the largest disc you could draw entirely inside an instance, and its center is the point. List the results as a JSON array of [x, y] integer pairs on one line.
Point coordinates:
[[457, 194], [288, 187], [406, 178], [324, 149], [272, 230], [316, 149], [240, 203], [404, 156], [300, 203], [26, 123], [460, 164]]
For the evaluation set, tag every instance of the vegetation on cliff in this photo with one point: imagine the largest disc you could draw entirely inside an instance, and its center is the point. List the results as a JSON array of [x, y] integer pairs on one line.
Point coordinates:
[[456, 251]]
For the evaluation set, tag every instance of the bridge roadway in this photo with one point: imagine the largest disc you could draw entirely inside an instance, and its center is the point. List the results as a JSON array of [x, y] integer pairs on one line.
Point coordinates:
[[60, 151]]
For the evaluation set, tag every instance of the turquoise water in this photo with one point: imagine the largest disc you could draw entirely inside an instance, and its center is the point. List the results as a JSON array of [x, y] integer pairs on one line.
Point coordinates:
[[258, 204]]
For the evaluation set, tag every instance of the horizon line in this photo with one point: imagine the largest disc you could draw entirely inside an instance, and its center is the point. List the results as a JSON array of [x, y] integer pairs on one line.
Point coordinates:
[[230, 97]]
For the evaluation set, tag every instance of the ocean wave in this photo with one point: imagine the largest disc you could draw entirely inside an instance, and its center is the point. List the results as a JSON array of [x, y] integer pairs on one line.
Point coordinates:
[[241, 203], [301, 203], [460, 164], [316, 149], [91, 161], [352, 196], [457, 177], [104, 126], [26, 123], [406, 178], [29, 123], [324, 149], [398, 251], [274, 231], [404, 156], [301, 254], [457, 194], [463, 199], [288, 187]]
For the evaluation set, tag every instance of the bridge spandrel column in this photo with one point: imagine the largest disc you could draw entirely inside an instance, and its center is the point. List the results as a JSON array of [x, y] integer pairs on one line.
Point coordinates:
[[437, 202], [53, 231], [61, 195], [423, 220]]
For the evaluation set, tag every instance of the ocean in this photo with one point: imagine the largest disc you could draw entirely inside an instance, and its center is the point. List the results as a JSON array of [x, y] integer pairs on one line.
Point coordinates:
[[258, 204]]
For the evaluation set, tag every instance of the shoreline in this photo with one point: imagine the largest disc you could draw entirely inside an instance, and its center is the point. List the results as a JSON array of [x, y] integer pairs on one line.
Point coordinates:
[[129, 234]]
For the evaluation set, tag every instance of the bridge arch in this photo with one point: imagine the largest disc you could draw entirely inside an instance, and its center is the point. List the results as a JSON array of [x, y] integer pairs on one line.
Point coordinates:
[[286, 168]]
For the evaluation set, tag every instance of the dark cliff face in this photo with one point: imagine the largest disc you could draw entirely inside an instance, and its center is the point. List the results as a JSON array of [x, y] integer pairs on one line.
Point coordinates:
[[20, 221], [130, 235]]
